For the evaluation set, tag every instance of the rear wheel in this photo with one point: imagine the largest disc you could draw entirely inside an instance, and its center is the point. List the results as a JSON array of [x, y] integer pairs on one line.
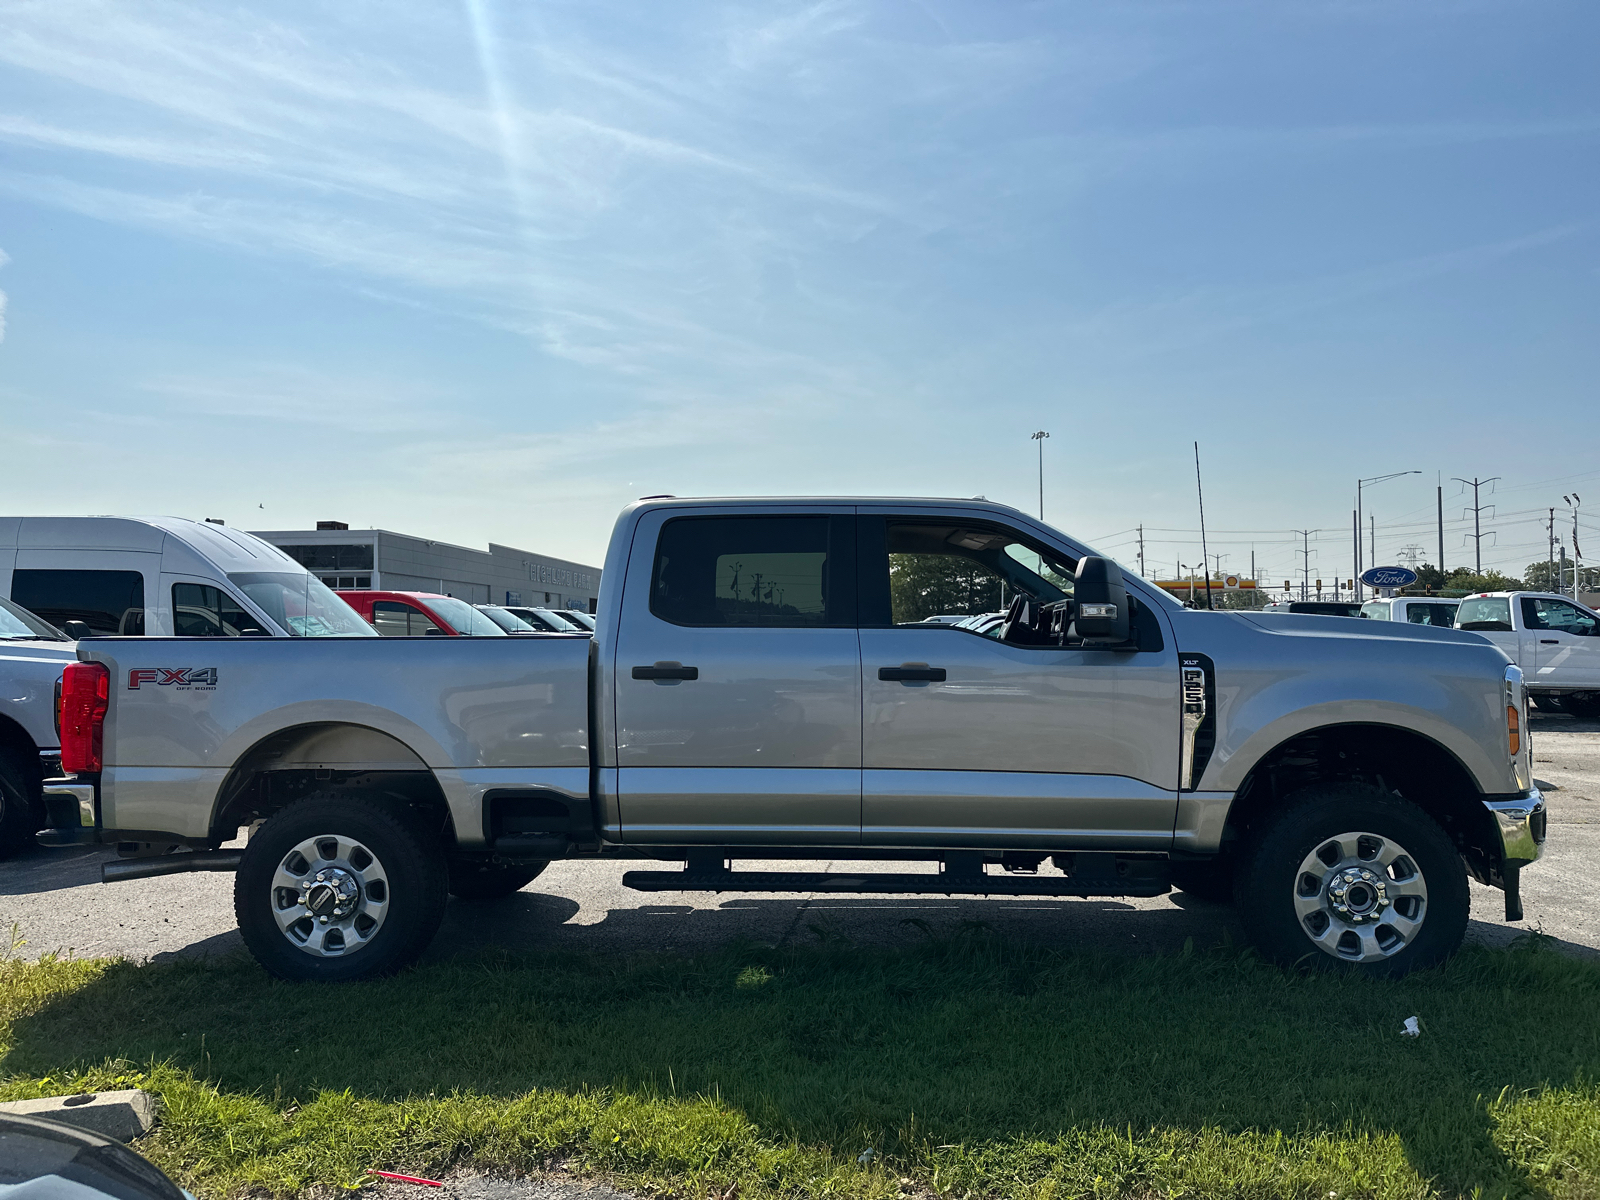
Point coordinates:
[[1354, 877], [337, 889], [490, 881], [1547, 703], [19, 818]]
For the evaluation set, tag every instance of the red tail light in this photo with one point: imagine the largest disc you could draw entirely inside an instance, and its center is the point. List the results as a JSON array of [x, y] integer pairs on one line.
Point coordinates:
[[85, 693]]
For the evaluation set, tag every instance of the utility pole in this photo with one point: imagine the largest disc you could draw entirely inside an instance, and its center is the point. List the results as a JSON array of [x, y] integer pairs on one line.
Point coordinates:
[[1205, 562], [1372, 522], [1305, 561], [1040, 437], [1440, 490], [1550, 550], [1477, 516], [1577, 555]]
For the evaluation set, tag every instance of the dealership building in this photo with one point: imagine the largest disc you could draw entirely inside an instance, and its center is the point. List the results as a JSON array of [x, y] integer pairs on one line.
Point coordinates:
[[383, 560]]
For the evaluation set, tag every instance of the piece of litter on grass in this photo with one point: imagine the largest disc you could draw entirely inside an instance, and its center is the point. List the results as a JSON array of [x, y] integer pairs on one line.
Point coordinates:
[[867, 1156], [407, 1179], [1412, 1029]]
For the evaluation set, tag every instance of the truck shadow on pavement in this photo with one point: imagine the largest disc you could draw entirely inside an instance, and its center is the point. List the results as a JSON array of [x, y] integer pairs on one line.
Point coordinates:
[[957, 1037]]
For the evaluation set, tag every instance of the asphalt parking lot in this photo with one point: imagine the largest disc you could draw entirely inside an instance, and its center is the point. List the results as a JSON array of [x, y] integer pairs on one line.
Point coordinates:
[[57, 902]]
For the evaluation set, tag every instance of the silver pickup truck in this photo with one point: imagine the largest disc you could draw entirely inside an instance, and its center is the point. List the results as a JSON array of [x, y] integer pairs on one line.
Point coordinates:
[[763, 684]]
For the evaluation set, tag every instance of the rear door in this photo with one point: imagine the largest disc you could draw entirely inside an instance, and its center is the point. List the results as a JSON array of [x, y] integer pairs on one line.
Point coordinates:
[[1567, 642], [974, 741], [738, 679]]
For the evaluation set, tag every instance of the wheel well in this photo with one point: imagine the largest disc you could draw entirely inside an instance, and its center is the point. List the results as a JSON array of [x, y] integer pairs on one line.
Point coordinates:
[[16, 744], [1396, 760], [295, 762]]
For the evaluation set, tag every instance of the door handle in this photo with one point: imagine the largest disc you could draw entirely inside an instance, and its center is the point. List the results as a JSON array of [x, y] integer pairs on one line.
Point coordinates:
[[1549, 642], [910, 673], [666, 670]]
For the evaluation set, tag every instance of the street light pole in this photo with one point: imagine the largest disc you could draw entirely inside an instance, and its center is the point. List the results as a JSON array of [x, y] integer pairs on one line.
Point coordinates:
[[1577, 557], [1040, 437], [1361, 483]]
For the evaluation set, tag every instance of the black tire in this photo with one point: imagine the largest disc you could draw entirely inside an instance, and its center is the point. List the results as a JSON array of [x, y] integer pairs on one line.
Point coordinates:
[[490, 881], [19, 808], [1272, 888], [1210, 880], [1585, 707], [404, 916], [1547, 703]]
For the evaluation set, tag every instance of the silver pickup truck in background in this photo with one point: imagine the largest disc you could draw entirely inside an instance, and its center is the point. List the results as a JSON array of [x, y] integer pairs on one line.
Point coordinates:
[[760, 686]]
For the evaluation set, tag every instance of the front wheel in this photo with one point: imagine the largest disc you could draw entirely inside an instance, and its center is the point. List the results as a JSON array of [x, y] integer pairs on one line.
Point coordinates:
[[338, 888], [1354, 877]]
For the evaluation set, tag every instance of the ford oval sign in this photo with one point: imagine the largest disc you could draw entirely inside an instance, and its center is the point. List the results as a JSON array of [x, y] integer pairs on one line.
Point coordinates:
[[1388, 577]]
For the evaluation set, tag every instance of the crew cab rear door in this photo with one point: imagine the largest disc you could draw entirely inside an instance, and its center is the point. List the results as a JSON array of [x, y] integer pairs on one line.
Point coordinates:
[[1566, 642], [738, 678], [972, 741]]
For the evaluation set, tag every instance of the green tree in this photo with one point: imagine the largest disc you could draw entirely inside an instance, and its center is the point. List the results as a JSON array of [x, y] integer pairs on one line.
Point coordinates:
[[928, 585]]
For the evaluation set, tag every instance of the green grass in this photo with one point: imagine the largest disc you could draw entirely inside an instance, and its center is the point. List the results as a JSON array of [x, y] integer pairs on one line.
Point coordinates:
[[972, 1067]]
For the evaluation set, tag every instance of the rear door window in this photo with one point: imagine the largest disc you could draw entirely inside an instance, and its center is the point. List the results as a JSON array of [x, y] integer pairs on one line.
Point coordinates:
[[391, 618], [110, 603], [773, 572], [199, 610], [1443, 615]]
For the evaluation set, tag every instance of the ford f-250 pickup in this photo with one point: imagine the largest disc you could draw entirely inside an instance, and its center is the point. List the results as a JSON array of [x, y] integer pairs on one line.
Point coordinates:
[[761, 686]]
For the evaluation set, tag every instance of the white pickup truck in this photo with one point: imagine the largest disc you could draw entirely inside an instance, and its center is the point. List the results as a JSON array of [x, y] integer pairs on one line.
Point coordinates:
[[1555, 641], [762, 684]]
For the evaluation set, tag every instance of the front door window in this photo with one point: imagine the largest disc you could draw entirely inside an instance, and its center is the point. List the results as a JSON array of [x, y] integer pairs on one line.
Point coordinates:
[[394, 619]]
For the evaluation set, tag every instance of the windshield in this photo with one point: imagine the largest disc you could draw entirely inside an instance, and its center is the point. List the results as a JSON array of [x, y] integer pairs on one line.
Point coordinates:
[[556, 621], [578, 618], [18, 622], [510, 622], [463, 618], [1486, 615], [302, 605]]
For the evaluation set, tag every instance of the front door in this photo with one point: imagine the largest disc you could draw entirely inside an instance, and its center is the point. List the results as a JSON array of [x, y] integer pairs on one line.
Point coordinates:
[[1567, 641], [738, 680], [971, 741]]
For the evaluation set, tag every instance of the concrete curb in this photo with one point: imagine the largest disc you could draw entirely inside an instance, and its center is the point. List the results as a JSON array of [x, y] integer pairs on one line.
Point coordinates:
[[120, 1115]]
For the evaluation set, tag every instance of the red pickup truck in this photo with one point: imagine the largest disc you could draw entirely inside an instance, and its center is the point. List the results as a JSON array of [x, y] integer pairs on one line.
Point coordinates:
[[420, 614]]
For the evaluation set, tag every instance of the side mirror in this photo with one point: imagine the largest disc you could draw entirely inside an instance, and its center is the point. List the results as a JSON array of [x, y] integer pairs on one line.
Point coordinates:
[[76, 630], [1101, 601]]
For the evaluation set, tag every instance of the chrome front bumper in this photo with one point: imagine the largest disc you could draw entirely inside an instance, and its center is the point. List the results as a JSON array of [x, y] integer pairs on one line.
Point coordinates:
[[1521, 822]]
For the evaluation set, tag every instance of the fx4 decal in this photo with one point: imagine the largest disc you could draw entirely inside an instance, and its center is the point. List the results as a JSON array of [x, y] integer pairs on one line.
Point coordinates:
[[183, 677]]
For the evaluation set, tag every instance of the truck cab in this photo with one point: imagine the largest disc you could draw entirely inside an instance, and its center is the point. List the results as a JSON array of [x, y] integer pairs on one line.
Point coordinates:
[[1554, 639], [1437, 611]]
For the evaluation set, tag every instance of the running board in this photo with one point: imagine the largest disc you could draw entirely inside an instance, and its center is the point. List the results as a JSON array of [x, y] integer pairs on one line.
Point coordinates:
[[948, 883]]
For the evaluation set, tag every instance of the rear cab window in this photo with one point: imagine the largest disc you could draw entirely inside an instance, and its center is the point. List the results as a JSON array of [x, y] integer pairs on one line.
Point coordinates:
[[1485, 614]]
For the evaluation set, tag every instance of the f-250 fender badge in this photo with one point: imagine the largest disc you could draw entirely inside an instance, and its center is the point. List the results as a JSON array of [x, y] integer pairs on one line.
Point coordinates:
[[183, 678]]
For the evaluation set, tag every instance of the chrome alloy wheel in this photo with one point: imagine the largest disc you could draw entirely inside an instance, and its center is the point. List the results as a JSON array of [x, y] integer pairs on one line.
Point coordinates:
[[329, 896], [1360, 897]]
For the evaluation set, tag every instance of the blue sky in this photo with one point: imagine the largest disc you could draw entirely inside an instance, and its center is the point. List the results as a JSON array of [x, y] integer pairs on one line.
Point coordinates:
[[484, 270]]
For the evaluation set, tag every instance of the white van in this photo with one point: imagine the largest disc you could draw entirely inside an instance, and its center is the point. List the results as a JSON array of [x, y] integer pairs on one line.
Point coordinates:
[[166, 577]]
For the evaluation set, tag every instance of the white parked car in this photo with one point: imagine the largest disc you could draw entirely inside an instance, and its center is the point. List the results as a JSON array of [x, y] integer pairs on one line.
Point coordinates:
[[1555, 641]]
